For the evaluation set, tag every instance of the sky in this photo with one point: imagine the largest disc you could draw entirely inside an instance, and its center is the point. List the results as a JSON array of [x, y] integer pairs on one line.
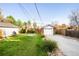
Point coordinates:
[[49, 12]]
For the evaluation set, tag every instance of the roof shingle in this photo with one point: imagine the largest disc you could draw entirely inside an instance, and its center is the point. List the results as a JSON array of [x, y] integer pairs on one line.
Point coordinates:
[[7, 25]]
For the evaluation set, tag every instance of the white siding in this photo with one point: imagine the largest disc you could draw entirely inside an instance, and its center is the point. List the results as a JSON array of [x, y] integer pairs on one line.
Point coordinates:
[[9, 31]]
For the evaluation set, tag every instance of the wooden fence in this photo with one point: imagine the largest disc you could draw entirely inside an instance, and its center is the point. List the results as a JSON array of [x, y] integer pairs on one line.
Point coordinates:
[[72, 33], [68, 32]]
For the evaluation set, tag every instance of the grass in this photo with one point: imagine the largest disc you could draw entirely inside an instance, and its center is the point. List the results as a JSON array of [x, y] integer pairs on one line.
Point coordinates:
[[21, 45]]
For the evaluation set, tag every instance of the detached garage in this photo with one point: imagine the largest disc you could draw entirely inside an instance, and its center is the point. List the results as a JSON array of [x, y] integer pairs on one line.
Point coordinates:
[[7, 29], [48, 30]]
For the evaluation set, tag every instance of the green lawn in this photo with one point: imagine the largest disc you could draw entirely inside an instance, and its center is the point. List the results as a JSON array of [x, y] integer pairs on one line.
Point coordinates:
[[21, 45]]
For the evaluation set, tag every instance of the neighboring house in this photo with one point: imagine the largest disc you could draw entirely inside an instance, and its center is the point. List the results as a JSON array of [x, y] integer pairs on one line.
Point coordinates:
[[7, 29]]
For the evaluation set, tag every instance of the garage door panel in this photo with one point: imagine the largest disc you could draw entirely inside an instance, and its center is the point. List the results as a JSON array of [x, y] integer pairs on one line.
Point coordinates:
[[48, 32]]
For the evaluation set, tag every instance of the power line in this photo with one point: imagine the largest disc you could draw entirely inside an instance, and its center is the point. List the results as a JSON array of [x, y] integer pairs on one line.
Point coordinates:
[[38, 11], [24, 10]]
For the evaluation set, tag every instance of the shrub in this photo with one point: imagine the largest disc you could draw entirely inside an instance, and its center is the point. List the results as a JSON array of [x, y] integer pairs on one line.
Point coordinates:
[[41, 35], [23, 31], [31, 31], [39, 31], [48, 46]]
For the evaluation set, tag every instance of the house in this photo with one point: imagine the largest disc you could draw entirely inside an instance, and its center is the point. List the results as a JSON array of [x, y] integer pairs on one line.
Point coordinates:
[[7, 29], [48, 30]]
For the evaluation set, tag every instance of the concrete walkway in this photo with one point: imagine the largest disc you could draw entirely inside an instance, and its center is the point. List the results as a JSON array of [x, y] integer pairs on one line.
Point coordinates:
[[68, 45]]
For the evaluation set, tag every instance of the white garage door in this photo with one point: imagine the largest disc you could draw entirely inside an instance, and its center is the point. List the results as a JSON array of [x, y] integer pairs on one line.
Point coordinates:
[[48, 31]]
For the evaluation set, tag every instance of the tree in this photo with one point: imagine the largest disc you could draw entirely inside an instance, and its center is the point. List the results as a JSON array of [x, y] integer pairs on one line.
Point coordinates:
[[74, 18], [1, 16], [34, 25], [0, 11], [29, 25], [25, 25], [19, 23], [11, 19], [29, 22]]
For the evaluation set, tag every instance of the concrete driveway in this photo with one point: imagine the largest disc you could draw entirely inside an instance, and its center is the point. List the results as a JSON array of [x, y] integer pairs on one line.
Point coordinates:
[[68, 45]]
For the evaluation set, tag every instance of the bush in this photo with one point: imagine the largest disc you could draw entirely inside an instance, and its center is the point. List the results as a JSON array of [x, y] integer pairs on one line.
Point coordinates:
[[41, 35], [23, 31], [31, 31], [48, 46]]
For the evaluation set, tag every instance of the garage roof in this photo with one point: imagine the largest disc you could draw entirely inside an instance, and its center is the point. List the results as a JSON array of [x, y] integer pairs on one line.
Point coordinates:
[[7, 25], [47, 26]]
